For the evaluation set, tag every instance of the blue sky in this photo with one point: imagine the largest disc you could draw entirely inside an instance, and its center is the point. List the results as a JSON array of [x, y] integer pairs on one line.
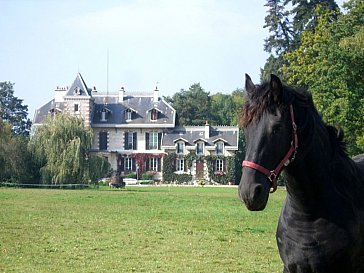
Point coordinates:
[[174, 43]]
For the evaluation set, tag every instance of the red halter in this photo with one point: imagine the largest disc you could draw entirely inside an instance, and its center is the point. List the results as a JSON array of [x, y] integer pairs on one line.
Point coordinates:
[[289, 157]]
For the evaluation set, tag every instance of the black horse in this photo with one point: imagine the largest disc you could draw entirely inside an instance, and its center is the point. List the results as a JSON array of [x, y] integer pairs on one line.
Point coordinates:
[[321, 226]]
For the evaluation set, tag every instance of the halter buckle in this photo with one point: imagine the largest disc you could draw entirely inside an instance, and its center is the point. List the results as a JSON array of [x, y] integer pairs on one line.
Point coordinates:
[[272, 176]]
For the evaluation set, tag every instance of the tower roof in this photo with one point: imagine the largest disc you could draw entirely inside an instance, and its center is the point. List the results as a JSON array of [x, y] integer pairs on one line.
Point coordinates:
[[79, 87]]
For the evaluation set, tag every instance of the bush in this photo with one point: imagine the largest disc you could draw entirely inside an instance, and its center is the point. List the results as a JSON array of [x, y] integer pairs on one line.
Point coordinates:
[[131, 175], [219, 177], [179, 178], [147, 176]]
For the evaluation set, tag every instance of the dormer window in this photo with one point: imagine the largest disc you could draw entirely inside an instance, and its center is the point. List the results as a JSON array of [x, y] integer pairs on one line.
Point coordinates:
[[128, 114], [180, 147], [77, 91], [220, 148], [55, 111], [153, 115], [104, 114], [200, 148]]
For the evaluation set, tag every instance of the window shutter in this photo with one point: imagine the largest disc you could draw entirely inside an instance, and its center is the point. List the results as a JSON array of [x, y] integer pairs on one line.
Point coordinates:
[[122, 167], [159, 164], [126, 138], [147, 164], [135, 142], [147, 141], [224, 165], [133, 166], [103, 140], [159, 140]]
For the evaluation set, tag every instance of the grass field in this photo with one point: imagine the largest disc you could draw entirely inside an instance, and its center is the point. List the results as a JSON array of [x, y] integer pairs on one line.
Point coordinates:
[[138, 229]]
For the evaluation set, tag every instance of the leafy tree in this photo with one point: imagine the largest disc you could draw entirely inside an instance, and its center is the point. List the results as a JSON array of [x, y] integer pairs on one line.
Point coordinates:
[[286, 20], [304, 13], [5, 136], [61, 146], [221, 109], [329, 65], [278, 24], [192, 106], [15, 160], [96, 168], [12, 110], [280, 39], [225, 109]]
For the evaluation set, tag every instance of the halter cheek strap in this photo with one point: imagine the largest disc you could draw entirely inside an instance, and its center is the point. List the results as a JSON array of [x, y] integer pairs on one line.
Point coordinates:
[[288, 158]]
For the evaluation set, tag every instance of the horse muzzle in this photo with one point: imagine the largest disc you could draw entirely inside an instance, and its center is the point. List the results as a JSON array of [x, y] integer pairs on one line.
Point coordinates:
[[254, 190]]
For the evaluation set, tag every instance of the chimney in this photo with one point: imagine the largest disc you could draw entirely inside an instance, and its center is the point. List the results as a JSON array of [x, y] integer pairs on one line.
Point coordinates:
[[121, 94], [94, 90], [155, 94], [207, 130], [59, 93]]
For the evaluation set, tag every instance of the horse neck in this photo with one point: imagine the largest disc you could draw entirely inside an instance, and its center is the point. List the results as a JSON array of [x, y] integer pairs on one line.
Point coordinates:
[[308, 175]]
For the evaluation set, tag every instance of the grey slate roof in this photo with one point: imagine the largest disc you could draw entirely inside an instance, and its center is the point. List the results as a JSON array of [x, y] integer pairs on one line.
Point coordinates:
[[140, 106], [79, 88], [191, 134], [43, 112]]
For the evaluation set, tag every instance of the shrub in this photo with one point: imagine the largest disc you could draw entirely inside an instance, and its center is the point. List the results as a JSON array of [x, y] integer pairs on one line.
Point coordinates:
[[147, 176], [179, 178], [131, 175]]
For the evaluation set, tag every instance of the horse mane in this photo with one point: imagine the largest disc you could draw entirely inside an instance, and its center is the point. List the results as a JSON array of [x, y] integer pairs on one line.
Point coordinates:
[[255, 104], [337, 139]]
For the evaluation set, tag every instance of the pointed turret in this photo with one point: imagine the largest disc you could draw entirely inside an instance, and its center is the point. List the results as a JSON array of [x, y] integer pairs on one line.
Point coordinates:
[[78, 100]]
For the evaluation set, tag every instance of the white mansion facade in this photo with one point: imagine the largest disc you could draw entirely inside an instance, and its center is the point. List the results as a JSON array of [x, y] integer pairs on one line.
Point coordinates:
[[134, 131]]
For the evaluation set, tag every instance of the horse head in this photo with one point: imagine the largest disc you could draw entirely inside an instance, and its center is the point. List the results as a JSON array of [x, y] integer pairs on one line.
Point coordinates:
[[271, 139]]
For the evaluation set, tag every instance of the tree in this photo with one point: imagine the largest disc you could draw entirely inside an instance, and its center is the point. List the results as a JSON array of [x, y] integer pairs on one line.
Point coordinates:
[[280, 39], [278, 24], [15, 160], [327, 64], [304, 13], [12, 110], [225, 108], [286, 21], [192, 106], [61, 146]]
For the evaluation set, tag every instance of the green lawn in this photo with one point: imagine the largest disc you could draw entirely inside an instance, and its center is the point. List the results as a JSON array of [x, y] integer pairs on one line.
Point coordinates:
[[138, 229]]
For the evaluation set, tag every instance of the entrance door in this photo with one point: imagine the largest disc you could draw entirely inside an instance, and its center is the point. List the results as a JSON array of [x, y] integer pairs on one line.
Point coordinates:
[[199, 169]]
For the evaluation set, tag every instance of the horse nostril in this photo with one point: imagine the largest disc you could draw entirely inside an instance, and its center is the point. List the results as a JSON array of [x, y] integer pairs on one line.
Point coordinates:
[[258, 191]]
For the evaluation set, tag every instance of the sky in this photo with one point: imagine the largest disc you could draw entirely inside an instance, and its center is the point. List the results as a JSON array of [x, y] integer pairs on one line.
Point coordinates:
[[135, 44]]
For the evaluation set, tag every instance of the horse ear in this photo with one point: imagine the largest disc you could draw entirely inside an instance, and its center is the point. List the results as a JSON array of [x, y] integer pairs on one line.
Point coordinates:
[[276, 88], [249, 85]]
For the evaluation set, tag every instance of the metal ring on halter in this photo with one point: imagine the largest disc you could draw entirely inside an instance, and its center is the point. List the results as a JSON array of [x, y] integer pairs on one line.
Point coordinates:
[[272, 176]]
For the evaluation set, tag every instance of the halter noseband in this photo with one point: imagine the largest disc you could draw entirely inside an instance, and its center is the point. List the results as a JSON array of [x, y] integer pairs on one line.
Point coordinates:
[[288, 158]]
